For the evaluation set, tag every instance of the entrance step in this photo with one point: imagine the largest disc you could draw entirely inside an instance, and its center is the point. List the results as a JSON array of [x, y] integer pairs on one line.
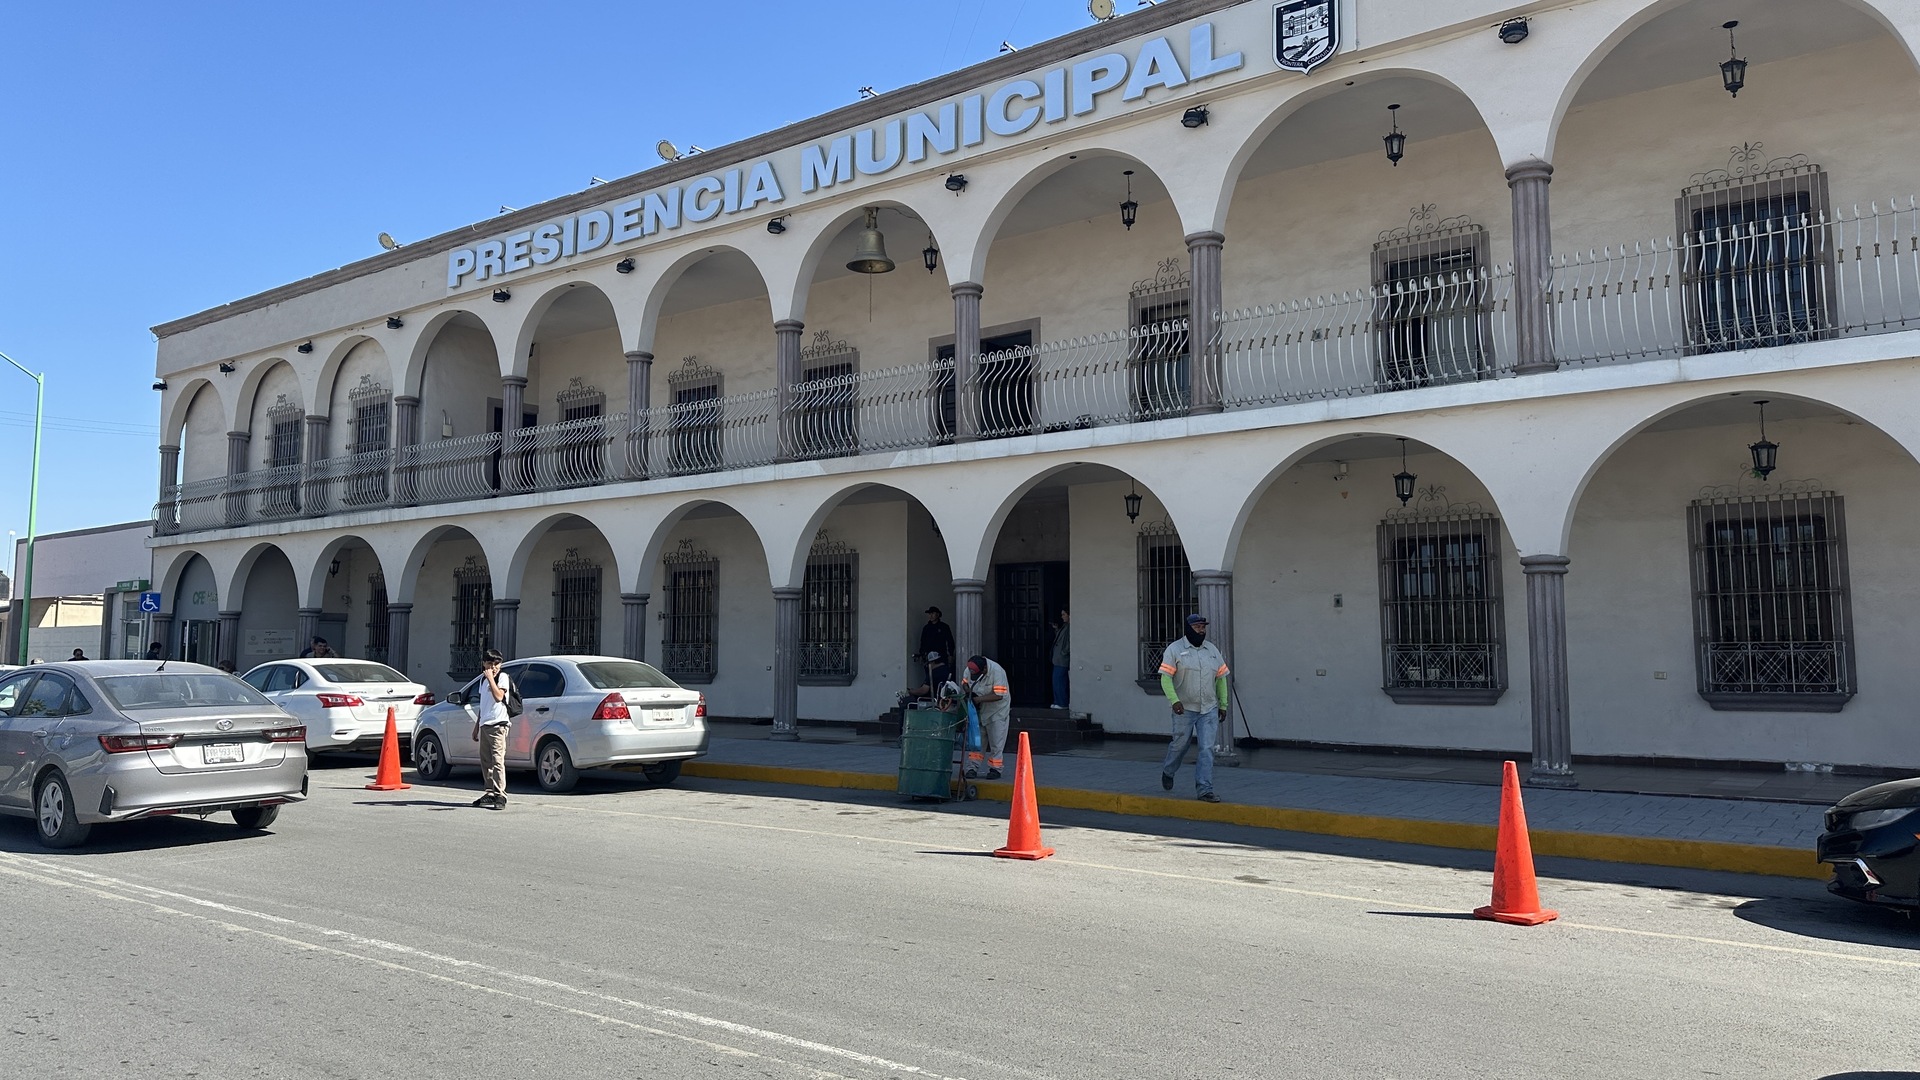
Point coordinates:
[[1049, 731]]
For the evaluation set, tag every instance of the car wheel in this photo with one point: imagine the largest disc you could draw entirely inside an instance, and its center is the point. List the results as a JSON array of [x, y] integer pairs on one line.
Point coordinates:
[[255, 817], [430, 758], [54, 812], [663, 773], [553, 766]]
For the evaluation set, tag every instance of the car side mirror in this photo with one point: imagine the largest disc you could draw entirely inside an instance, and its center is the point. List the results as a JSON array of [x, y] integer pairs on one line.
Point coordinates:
[[456, 698]]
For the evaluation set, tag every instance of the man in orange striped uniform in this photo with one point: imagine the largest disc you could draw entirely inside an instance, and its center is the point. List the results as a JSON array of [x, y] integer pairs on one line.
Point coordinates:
[[1193, 675], [987, 683]]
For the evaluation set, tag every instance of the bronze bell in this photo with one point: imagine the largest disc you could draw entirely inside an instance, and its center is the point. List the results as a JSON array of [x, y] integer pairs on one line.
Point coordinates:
[[870, 254]]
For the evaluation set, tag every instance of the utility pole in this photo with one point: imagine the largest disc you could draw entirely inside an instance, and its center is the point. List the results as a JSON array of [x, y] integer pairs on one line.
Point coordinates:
[[33, 503]]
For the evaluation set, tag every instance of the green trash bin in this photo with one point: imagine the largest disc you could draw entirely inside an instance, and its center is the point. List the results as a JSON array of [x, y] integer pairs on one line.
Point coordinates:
[[926, 753]]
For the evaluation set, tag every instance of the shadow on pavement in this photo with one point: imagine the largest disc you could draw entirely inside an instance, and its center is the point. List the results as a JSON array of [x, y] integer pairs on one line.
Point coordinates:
[[1835, 920], [18, 836], [1427, 914], [1872, 1076]]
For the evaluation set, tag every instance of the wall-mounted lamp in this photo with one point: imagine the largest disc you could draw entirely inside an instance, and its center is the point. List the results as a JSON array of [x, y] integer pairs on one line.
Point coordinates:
[[333, 568], [624, 266], [501, 296], [1514, 31], [305, 347], [1194, 117], [1129, 210], [1403, 480], [1132, 499], [930, 255], [956, 182], [394, 323], [226, 368], [1766, 455], [1339, 470], [446, 425], [776, 226], [1733, 70], [1396, 142], [160, 384]]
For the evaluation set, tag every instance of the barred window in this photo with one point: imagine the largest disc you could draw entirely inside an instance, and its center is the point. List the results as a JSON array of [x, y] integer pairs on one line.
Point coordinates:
[[1430, 303], [1166, 597], [828, 604], [472, 618], [1771, 609], [580, 457], [1157, 360], [372, 433], [826, 402], [690, 614], [1758, 261], [281, 495], [1442, 623], [378, 618], [576, 605], [694, 423]]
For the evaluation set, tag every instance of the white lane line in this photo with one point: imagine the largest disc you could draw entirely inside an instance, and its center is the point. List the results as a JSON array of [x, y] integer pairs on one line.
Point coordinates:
[[103, 886]]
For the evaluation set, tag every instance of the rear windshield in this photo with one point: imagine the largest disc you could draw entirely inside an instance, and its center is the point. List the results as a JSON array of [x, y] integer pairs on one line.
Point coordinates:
[[624, 674], [164, 690], [358, 673]]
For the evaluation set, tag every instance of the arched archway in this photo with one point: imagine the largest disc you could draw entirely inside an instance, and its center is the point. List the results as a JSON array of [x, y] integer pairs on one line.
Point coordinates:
[[566, 575], [264, 593], [705, 570], [447, 587], [348, 600]]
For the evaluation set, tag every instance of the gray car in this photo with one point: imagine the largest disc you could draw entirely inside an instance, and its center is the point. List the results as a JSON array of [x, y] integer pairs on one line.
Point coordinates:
[[582, 712], [93, 741]]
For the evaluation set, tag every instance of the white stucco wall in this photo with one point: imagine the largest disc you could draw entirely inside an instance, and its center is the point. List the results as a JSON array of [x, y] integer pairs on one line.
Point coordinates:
[[462, 378], [269, 613], [203, 450]]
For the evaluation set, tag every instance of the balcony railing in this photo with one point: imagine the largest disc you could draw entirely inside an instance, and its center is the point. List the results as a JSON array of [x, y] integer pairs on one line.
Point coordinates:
[[1744, 287]]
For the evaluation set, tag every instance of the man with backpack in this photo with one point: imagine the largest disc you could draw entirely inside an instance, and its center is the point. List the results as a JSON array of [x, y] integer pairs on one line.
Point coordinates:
[[493, 718]]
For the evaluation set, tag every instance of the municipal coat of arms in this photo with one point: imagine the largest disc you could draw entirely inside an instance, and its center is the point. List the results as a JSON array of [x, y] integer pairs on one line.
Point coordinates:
[[1306, 33]]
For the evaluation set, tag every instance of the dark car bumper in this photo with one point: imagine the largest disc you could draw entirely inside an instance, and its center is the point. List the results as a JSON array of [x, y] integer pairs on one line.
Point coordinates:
[[1878, 866]]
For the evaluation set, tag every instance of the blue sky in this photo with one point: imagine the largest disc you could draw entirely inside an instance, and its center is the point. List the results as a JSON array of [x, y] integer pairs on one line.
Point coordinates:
[[162, 159]]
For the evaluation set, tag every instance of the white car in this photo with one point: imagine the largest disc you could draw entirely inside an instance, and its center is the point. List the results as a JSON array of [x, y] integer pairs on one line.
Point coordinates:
[[343, 702]]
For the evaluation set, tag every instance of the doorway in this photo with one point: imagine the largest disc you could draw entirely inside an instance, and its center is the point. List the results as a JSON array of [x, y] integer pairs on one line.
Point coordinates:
[[200, 641], [1029, 597]]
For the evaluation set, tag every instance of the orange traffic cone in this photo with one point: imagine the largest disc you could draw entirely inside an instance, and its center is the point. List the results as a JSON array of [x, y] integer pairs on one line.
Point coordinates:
[[1516, 898], [387, 777], [1023, 826]]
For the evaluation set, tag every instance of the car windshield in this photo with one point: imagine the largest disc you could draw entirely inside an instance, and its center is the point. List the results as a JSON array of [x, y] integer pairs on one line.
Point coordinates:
[[182, 690], [623, 674], [359, 673]]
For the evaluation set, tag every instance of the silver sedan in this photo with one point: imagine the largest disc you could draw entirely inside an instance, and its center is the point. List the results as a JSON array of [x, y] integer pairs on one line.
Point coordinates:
[[87, 742], [582, 712]]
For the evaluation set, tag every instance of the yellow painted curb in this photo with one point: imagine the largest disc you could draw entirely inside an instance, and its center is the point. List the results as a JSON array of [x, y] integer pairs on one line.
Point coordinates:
[[1644, 850]]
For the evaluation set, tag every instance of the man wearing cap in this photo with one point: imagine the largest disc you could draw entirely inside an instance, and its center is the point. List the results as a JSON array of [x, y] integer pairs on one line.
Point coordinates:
[[986, 683], [936, 639], [1193, 675]]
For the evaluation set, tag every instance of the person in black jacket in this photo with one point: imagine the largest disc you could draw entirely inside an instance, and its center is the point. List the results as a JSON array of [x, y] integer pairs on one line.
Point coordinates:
[[935, 637]]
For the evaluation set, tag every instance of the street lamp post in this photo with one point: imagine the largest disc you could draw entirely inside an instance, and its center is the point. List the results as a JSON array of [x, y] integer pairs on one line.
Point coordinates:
[[33, 502]]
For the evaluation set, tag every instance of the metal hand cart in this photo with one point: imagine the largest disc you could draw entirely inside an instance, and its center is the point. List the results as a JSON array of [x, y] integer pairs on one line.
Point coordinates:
[[933, 751]]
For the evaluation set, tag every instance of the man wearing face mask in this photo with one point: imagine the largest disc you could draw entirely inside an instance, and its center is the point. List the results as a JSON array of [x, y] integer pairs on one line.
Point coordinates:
[[1193, 675]]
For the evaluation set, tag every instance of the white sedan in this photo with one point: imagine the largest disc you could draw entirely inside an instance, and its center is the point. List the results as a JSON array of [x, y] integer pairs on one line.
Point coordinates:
[[343, 702]]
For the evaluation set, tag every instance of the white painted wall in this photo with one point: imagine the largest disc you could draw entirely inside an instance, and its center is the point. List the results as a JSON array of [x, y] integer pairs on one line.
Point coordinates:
[[279, 382], [462, 377], [269, 613], [743, 659], [203, 450], [537, 585], [367, 360], [432, 620]]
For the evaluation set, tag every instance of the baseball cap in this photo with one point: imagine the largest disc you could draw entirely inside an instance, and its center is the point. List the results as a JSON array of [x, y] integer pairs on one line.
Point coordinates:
[[1196, 620], [932, 611], [934, 657]]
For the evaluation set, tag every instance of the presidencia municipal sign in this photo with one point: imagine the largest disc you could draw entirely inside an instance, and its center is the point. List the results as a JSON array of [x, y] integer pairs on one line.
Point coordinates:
[[1010, 110]]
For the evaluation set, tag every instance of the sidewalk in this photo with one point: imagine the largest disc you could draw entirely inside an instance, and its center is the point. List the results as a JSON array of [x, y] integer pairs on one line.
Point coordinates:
[[1703, 830]]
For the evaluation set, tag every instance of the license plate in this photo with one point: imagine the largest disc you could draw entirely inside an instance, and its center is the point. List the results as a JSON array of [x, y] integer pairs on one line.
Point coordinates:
[[220, 753], [665, 716]]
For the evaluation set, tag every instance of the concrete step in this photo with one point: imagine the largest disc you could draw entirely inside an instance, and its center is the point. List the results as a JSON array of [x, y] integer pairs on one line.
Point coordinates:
[[1049, 731]]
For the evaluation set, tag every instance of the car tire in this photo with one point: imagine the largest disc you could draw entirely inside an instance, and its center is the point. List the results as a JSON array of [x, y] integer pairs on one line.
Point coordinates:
[[430, 758], [55, 817], [662, 773], [255, 817], [553, 767]]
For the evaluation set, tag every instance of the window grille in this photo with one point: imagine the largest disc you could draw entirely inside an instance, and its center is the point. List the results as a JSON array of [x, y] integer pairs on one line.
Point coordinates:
[[472, 618], [576, 605], [1431, 323], [1157, 366], [1442, 621], [1772, 608], [1758, 261], [1166, 597], [378, 618], [694, 423], [829, 600], [580, 458], [372, 406], [826, 413], [690, 614], [281, 495]]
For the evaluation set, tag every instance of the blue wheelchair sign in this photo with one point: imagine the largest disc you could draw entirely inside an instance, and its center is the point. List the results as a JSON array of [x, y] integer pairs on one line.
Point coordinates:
[[150, 602]]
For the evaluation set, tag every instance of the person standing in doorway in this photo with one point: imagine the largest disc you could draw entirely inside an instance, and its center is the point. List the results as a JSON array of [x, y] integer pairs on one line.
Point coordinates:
[[1062, 661], [78, 654], [987, 685], [156, 651], [318, 648], [1193, 675], [936, 639], [492, 731]]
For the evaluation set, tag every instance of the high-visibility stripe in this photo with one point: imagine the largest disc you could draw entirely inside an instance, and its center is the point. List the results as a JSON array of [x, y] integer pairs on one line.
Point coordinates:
[[999, 689], [1168, 669], [1222, 671]]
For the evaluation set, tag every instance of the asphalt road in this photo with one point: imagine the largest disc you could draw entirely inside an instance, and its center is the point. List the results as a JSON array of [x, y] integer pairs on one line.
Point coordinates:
[[730, 930]]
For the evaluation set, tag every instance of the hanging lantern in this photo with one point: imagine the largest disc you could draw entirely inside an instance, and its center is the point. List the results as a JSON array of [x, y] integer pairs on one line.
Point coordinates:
[[1733, 70], [1396, 142], [1132, 500], [1129, 210], [870, 255], [930, 255], [1403, 480], [1766, 454]]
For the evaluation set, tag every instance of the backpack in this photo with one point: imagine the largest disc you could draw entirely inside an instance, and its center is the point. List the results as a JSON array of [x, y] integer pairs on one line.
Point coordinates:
[[514, 706]]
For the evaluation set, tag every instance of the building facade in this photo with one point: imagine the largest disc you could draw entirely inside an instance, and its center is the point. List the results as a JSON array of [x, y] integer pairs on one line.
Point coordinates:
[[86, 595], [1422, 346]]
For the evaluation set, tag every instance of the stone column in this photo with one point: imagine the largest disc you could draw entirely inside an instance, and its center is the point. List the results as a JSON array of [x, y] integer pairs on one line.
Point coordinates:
[[1203, 374], [236, 470], [315, 489], [506, 626], [966, 357], [229, 649], [399, 626], [167, 517], [786, 372], [513, 405], [1216, 603], [309, 626], [786, 664], [639, 401], [1532, 267], [162, 631], [967, 595], [406, 436], [633, 625], [1547, 670]]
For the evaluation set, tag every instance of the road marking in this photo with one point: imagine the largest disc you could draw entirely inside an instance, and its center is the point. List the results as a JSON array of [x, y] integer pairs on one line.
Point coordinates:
[[102, 886]]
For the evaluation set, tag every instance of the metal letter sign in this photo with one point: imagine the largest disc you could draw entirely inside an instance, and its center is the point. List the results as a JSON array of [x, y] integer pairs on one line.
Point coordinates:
[[1306, 33], [150, 602]]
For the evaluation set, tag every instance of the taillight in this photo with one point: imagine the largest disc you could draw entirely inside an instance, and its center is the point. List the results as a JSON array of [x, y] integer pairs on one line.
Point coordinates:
[[701, 709], [612, 707], [424, 699], [127, 744], [339, 701], [297, 733]]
